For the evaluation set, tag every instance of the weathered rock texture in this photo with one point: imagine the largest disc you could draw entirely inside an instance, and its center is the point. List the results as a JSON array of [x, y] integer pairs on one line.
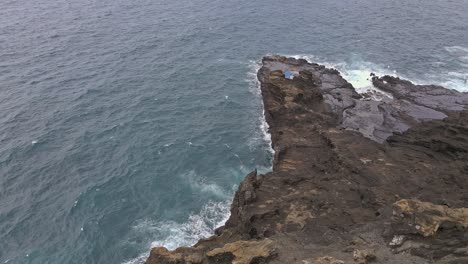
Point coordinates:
[[357, 178]]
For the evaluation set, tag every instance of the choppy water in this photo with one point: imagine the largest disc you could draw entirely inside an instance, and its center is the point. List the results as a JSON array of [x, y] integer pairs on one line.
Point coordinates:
[[126, 124]]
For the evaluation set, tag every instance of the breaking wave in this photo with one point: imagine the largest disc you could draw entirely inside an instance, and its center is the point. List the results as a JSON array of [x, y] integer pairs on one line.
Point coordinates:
[[357, 72], [171, 234], [455, 79]]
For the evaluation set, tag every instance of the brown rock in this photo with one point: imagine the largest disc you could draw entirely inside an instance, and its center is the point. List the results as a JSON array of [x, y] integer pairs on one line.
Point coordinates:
[[426, 218], [363, 256], [341, 161], [244, 252], [179, 256], [328, 260]]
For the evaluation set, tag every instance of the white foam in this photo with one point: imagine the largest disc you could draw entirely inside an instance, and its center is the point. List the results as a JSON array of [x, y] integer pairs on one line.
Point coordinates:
[[138, 260], [458, 84], [200, 185], [456, 80], [457, 50], [254, 66], [191, 144], [358, 73], [254, 88], [451, 80], [171, 234]]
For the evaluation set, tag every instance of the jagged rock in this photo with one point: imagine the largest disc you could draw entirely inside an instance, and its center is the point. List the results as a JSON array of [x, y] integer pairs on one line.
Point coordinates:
[[181, 255], [342, 159], [363, 256], [426, 218], [245, 195], [328, 260], [244, 252], [427, 229]]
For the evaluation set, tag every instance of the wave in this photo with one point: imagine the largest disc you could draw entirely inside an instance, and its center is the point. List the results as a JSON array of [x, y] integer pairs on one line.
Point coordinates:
[[459, 52], [200, 185], [454, 79], [171, 234], [254, 88], [357, 72]]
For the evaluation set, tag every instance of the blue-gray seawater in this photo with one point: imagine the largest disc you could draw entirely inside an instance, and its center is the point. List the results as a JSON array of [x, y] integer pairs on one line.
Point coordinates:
[[129, 124]]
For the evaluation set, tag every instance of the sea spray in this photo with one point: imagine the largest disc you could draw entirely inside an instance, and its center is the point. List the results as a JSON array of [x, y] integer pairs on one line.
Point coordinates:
[[357, 71], [172, 234]]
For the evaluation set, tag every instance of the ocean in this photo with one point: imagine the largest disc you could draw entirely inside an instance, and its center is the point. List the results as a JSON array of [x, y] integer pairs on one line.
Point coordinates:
[[129, 124]]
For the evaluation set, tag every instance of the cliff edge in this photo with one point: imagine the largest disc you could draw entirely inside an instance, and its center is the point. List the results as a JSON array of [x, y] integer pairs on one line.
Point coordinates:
[[380, 177]]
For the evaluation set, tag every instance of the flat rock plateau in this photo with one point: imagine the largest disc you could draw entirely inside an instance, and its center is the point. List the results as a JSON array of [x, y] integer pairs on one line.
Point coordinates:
[[377, 177]]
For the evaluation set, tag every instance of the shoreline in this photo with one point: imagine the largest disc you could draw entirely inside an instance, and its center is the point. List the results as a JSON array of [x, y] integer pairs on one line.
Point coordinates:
[[336, 185]]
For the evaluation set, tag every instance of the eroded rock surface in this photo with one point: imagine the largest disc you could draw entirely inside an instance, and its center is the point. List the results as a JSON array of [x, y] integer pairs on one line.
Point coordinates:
[[380, 177]]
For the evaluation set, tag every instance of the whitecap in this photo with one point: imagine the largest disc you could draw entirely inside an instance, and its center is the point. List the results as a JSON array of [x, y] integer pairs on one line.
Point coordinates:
[[191, 144]]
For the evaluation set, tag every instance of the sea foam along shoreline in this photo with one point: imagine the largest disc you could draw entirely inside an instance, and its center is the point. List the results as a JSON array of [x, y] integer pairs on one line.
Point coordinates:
[[254, 87], [213, 214], [358, 72], [335, 185]]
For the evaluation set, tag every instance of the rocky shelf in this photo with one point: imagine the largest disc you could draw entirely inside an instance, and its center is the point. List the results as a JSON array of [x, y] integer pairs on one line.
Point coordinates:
[[357, 178]]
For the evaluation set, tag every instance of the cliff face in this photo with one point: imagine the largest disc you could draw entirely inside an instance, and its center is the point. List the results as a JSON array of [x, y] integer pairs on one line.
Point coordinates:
[[357, 178]]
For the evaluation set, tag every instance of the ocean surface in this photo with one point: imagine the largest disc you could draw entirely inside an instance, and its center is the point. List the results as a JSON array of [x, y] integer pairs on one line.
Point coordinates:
[[129, 124]]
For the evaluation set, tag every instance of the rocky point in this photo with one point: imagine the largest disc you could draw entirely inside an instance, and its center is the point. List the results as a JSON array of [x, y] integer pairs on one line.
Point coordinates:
[[379, 177]]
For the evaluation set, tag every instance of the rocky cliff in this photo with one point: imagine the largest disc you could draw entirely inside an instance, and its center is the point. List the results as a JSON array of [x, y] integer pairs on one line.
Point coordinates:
[[357, 178]]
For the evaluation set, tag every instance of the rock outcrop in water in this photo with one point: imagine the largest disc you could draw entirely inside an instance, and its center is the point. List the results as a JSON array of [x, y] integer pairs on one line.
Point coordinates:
[[380, 177]]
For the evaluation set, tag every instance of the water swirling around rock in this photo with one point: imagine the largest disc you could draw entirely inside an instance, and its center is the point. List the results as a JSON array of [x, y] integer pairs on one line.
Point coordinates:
[[121, 116]]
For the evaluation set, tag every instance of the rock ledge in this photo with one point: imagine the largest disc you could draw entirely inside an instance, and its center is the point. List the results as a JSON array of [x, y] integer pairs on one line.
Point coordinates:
[[380, 177]]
